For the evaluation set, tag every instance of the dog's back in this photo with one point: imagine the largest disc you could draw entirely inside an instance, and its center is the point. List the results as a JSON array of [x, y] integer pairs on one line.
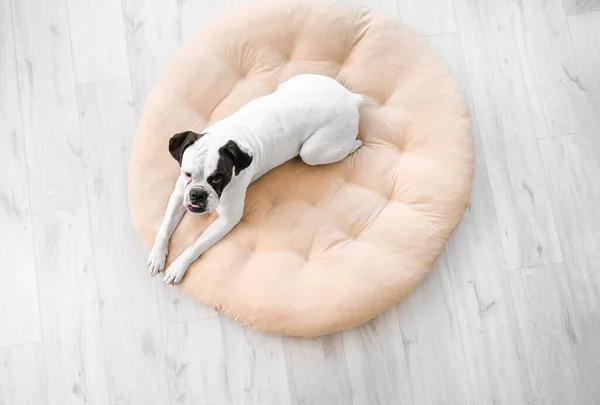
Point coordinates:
[[279, 123], [323, 87]]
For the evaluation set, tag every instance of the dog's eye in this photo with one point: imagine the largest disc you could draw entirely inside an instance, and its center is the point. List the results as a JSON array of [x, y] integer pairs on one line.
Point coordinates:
[[187, 174], [215, 180]]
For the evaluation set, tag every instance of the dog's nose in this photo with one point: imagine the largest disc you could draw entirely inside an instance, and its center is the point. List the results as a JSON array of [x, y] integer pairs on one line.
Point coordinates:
[[197, 195]]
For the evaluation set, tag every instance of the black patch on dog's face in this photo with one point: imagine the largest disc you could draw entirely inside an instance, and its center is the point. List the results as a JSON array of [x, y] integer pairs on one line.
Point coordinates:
[[180, 142], [222, 175], [231, 158]]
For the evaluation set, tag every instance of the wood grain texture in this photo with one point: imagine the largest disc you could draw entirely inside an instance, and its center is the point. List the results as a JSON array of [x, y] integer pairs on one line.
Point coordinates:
[[175, 305], [432, 342], [153, 37], [22, 379], [98, 53], [50, 127], [18, 285], [70, 308], [377, 367], [581, 6], [129, 312], [555, 92], [585, 37], [573, 173], [486, 319], [429, 17], [502, 111], [561, 341], [196, 371], [317, 371], [472, 273], [255, 362]]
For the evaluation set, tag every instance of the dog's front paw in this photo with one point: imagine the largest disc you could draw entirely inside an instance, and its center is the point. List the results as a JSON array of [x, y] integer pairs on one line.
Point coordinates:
[[156, 260], [175, 272]]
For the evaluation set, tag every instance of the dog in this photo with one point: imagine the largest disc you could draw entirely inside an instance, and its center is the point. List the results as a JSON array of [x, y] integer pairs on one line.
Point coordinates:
[[309, 115]]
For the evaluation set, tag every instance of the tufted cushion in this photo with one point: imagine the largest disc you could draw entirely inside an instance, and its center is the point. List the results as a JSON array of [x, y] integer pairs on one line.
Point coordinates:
[[321, 248]]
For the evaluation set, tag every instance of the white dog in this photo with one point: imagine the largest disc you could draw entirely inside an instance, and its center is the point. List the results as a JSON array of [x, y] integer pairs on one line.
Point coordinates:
[[309, 115]]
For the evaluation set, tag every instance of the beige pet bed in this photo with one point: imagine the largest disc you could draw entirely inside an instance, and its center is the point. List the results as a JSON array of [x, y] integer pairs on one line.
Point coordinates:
[[323, 248]]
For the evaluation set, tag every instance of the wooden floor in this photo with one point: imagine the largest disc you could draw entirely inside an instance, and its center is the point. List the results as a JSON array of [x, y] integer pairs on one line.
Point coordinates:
[[509, 316]]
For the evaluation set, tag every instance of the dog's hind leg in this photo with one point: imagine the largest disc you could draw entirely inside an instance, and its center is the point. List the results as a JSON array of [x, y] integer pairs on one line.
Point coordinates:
[[330, 144], [357, 144]]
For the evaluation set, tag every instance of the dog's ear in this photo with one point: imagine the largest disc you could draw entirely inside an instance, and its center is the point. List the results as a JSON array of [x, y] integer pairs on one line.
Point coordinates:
[[179, 142], [241, 159]]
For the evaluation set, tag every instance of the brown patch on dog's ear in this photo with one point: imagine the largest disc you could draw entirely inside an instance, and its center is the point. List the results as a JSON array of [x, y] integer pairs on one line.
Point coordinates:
[[241, 159], [179, 143]]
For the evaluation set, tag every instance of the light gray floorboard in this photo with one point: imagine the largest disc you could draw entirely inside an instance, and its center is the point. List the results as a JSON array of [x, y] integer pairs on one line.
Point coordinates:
[[48, 102], [432, 343], [317, 371], [255, 361], [478, 280], [510, 314], [429, 17], [571, 167], [70, 308], [501, 106], [18, 284], [581, 6], [153, 36], [98, 53], [585, 36], [196, 369], [176, 306], [129, 312], [555, 92], [22, 378], [561, 340], [377, 365], [473, 276]]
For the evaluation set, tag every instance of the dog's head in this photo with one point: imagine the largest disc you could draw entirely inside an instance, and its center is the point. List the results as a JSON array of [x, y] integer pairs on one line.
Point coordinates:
[[208, 164]]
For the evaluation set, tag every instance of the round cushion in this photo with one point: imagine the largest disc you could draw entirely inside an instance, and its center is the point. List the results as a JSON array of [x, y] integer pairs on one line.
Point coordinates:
[[324, 248]]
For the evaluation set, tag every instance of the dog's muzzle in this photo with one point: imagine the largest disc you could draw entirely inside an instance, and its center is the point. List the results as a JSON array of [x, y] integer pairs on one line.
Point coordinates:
[[197, 200]]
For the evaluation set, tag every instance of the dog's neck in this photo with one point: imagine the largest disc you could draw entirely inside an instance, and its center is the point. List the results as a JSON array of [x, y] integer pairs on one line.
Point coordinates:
[[223, 131]]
